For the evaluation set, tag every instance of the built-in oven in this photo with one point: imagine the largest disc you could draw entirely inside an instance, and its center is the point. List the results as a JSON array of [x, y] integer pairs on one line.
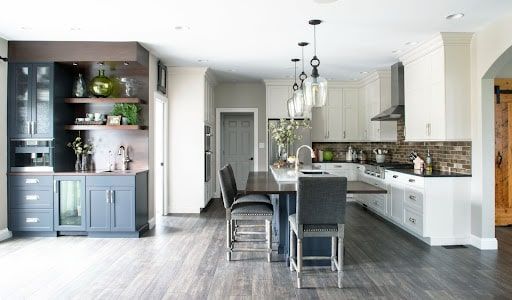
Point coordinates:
[[31, 155], [207, 153]]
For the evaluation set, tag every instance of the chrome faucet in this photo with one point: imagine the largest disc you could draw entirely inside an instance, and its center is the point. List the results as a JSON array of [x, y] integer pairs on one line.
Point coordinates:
[[124, 153], [297, 155]]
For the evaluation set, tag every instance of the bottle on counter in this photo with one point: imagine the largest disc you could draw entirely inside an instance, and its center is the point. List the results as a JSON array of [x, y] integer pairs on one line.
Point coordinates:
[[428, 162]]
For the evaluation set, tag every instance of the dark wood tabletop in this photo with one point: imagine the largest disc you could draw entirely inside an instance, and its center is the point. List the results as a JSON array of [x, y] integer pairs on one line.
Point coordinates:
[[265, 183]]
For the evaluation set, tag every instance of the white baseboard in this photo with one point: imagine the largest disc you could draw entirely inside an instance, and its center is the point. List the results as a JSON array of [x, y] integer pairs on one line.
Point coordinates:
[[151, 223], [5, 234], [447, 241], [484, 243]]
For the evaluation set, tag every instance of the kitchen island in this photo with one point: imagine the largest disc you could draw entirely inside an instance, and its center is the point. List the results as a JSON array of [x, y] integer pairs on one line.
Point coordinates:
[[285, 205]]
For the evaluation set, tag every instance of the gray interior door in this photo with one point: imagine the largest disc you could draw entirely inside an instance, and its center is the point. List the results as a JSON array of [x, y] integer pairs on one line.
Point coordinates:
[[238, 145]]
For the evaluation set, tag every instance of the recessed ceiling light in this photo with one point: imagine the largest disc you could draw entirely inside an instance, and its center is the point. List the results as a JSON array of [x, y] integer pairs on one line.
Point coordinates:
[[232, 70], [75, 28], [354, 79], [26, 28], [181, 27], [396, 51], [411, 43], [202, 60], [455, 16], [364, 72], [325, 1]]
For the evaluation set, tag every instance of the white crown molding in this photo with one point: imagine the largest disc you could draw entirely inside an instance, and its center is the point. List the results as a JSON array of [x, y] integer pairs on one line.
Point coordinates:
[[5, 234], [210, 77], [187, 70], [437, 41], [374, 75], [331, 83]]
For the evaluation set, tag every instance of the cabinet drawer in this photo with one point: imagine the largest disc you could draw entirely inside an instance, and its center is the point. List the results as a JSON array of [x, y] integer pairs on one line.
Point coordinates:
[[414, 198], [31, 220], [110, 181], [415, 181], [22, 198], [31, 182], [413, 220]]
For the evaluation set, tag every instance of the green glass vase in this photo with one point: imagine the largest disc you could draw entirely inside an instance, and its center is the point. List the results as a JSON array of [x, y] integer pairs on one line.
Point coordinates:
[[101, 86]]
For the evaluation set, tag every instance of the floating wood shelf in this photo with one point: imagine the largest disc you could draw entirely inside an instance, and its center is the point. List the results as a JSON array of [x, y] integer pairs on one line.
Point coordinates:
[[105, 127], [104, 100]]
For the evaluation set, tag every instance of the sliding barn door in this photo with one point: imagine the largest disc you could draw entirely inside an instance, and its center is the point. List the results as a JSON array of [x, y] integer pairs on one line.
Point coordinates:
[[503, 154]]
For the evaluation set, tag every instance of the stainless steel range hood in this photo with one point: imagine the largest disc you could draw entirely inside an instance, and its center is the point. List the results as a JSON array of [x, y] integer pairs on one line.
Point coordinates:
[[396, 111]]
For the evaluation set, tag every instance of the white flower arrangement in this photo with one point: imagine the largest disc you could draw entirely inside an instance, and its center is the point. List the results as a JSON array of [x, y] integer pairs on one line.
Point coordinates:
[[284, 132]]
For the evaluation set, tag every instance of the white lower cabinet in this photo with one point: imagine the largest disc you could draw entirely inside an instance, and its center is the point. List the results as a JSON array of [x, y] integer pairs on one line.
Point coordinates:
[[397, 202]]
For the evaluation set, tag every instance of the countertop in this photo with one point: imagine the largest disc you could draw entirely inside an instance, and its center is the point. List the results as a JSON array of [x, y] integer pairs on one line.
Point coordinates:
[[429, 174], [84, 173], [265, 183], [342, 162]]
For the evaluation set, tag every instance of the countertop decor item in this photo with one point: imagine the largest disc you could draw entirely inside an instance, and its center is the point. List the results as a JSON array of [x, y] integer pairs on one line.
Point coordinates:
[[80, 148], [328, 155], [315, 86], [113, 120], [129, 111], [101, 86], [284, 133], [79, 87]]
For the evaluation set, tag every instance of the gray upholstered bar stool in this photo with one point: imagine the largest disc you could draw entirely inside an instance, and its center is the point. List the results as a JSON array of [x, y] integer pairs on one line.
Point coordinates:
[[242, 208], [320, 213]]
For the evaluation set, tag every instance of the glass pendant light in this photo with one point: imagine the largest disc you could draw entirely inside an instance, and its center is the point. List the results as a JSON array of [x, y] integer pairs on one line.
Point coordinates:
[[292, 113], [297, 99], [298, 95], [315, 87]]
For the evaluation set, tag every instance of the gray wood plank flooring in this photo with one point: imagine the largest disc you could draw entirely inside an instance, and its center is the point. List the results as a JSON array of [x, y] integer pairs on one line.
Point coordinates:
[[184, 258]]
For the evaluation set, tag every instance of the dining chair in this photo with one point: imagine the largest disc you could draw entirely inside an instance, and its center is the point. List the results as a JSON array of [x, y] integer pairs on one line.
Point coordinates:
[[320, 212], [243, 209]]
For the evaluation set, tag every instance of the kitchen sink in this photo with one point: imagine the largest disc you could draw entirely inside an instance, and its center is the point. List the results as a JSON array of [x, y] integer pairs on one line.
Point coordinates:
[[314, 172]]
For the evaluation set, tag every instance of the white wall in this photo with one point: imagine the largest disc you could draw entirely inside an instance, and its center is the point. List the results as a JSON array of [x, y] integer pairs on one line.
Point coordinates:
[[151, 99], [488, 46], [186, 139], [246, 95], [3, 140]]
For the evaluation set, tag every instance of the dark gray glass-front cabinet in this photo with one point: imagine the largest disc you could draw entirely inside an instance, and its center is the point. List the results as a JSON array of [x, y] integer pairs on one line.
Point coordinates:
[[31, 100]]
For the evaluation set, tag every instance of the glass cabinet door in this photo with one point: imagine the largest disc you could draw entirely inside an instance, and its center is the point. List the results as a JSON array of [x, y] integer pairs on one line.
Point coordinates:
[[69, 203], [41, 110], [22, 93]]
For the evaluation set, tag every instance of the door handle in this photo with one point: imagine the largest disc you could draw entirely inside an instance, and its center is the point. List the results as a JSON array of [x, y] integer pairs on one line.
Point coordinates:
[[112, 196], [499, 159], [107, 196], [252, 158]]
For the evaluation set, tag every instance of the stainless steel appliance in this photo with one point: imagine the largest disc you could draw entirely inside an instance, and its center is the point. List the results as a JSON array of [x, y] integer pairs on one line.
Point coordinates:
[[31, 155], [273, 151], [207, 153], [396, 111], [379, 170]]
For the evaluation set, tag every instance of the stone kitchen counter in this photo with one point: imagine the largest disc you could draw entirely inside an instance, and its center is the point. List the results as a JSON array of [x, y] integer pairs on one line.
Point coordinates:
[[434, 173], [82, 173]]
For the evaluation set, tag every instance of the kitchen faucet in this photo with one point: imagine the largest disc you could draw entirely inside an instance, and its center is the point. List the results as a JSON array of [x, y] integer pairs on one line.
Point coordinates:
[[124, 153], [297, 155]]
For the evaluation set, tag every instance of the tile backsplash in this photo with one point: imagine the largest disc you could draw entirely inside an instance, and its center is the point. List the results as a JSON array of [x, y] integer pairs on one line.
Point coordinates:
[[446, 156]]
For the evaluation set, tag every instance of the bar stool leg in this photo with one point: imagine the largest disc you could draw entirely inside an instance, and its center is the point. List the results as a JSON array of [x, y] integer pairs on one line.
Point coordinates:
[[268, 229], [334, 242], [228, 239], [292, 248], [340, 261], [299, 263]]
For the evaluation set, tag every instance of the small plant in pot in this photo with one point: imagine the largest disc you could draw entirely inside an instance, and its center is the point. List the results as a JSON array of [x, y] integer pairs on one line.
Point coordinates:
[[128, 112]]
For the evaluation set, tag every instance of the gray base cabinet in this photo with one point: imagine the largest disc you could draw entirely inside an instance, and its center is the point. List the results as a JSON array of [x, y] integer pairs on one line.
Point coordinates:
[[107, 206]]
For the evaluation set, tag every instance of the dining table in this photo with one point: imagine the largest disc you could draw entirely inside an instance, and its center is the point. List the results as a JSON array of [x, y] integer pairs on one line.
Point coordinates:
[[283, 196]]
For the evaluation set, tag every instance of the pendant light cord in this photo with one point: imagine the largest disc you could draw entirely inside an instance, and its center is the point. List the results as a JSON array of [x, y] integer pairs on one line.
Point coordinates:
[[302, 59], [295, 78], [314, 38]]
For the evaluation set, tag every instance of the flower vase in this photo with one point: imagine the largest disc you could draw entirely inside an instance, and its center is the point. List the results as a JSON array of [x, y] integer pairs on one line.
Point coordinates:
[[283, 152], [78, 163], [84, 162]]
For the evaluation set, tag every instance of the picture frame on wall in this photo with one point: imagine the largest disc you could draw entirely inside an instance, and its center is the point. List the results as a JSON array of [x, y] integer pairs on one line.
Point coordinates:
[[114, 120], [161, 85]]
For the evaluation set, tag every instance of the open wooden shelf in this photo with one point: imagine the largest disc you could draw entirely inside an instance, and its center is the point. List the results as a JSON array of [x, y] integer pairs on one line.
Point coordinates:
[[104, 100], [105, 127]]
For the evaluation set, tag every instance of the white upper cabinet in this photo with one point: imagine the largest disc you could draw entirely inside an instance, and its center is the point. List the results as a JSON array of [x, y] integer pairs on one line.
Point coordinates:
[[278, 93], [351, 114], [437, 89], [375, 96]]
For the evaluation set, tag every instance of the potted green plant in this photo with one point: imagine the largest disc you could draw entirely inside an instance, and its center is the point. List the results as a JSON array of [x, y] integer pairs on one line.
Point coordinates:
[[129, 112]]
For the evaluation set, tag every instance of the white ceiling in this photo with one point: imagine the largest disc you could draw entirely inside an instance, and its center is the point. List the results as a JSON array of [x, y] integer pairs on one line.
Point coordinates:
[[251, 40]]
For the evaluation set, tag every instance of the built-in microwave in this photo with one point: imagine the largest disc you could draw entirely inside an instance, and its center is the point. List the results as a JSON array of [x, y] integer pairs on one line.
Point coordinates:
[[31, 155]]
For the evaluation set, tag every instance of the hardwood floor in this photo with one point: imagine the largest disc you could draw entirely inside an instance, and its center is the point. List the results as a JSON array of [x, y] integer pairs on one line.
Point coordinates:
[[184, 258]]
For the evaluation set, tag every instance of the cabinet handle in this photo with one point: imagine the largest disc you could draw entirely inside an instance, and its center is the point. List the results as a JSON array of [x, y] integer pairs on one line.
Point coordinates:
[[412, 180], [31, 181], [32, 220], [107, 196], [55, 187], [412, 197], [34, 127], [426, 129], [29, 128], [32, 197], [112, 196], [395, 176], [344, 134]]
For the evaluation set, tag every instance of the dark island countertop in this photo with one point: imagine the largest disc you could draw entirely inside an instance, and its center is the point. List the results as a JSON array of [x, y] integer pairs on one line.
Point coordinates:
[[434, 173], [265, 183], [82, 173]]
